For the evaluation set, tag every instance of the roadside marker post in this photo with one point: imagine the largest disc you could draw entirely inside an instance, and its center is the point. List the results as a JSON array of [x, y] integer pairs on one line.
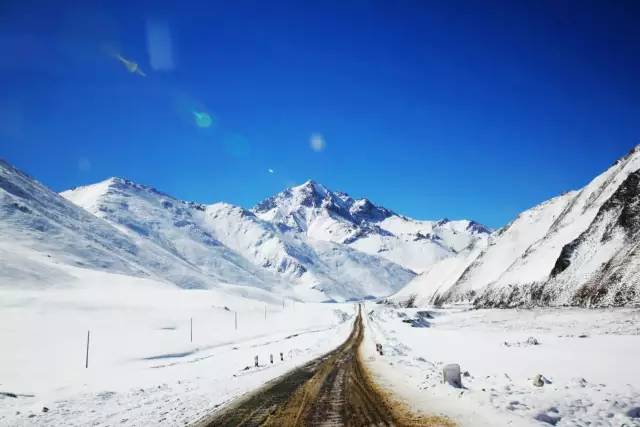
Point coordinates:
[[86, 359]]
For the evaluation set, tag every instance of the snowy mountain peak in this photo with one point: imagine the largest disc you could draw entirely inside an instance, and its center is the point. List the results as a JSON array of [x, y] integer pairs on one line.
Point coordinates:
[[476, 227], [307, 242], [306, 201], [231, 244], [311, 186], [321, 214], [123, 184]]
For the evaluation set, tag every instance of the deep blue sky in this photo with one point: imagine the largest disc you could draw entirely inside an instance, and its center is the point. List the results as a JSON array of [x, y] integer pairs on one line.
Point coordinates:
[[459, 109]]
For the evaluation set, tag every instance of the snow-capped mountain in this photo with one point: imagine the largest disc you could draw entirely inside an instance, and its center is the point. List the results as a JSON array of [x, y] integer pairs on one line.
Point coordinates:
[[44, 237], [39, 229], [164, 224], [324, 215], [306, 242], [333, 269], [580, 248], [234, 244]]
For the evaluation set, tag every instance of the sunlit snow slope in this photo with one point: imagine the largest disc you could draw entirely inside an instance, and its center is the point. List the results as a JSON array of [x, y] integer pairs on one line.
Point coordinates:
[[242, 246], [307, 242], [45, 240]]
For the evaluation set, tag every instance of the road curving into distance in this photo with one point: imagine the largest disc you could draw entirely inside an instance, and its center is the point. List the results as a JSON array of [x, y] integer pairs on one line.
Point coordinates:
[[332, 390]]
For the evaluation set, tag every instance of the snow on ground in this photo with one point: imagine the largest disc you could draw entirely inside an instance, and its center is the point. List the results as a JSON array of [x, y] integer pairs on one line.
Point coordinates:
[[589, 357], [143, 367]]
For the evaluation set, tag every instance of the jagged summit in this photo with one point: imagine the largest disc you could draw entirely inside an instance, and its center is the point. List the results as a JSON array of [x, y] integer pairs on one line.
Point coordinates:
[[325, 215], [316, 197]]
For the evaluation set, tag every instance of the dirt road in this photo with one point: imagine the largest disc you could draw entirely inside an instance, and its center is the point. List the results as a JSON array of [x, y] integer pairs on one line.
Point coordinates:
[[333, 390]]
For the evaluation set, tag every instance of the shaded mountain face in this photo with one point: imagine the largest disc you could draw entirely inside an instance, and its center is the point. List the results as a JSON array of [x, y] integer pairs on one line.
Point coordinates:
[[605, 255], [580, 248]]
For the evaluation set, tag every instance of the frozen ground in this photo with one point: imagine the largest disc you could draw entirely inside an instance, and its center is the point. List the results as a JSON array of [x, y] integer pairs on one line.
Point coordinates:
[[588, 357], [143, 368]]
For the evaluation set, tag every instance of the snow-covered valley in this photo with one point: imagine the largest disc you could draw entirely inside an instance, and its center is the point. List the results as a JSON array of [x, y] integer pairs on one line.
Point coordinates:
[[179, 297], [143, 366]]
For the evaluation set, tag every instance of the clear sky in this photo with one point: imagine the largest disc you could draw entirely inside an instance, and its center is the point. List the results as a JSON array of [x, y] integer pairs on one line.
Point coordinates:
[[433, 109]]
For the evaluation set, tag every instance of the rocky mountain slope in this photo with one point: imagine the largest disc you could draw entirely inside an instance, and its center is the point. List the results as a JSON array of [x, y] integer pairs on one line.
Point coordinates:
[[579, 248], [602, 265]]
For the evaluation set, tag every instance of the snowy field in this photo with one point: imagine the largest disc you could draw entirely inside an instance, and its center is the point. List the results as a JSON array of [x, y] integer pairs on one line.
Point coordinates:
[[143, 367], [588, 358]]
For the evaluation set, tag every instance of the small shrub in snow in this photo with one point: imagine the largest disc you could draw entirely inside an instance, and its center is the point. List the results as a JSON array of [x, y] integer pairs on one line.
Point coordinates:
[[424, 314], [530, 341], [411, 301]]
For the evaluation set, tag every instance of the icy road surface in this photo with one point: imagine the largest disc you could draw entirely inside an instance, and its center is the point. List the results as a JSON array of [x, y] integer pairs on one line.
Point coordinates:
[[333, 390]]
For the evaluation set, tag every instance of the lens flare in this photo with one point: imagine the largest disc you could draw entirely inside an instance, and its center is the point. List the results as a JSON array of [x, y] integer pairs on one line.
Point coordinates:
[[130, 65], [203, 119], [317, 142], [159, 46]]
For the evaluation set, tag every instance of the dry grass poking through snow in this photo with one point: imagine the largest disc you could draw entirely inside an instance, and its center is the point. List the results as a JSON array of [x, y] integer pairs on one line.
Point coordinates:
[[402, 413]]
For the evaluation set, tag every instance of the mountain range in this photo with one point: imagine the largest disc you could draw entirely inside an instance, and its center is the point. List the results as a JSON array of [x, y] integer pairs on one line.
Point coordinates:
[[310, 243], [306, 242]]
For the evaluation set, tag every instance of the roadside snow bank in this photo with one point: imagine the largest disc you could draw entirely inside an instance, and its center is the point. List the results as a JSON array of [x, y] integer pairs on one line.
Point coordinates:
[[587, 360], [143, 367]]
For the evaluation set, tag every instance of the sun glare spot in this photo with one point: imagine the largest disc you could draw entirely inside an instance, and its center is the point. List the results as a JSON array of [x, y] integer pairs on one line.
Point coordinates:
[[203, 119], [317, 142]]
